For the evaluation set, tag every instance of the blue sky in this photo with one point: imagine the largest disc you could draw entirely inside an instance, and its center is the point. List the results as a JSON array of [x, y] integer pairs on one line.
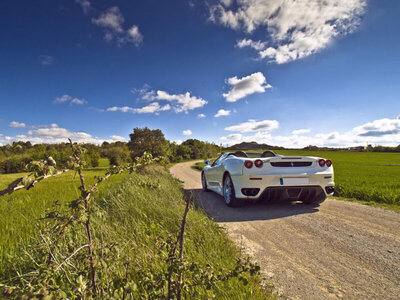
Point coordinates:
[[278, 72]]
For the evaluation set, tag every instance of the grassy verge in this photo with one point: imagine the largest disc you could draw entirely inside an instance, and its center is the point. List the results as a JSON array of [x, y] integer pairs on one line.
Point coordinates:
[[392, 207], [198, 166], [135, 219]]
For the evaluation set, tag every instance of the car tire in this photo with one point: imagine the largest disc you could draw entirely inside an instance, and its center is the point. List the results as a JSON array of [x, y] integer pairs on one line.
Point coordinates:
[[204, 182], [229, 192]]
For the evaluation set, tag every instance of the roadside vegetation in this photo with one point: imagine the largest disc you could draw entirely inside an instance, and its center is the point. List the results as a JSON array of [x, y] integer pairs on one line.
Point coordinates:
[[199, 166], [14, 157], [143, 239]]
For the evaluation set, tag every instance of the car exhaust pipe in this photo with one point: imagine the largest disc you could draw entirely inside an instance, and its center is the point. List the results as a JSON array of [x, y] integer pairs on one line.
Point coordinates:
[[250, 191]]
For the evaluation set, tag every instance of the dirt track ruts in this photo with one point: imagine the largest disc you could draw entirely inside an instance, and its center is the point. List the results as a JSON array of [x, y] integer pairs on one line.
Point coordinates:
[[337, 250]]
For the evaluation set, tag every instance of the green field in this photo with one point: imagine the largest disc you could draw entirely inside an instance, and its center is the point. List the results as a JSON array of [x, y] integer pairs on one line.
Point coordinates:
[[20, 210]]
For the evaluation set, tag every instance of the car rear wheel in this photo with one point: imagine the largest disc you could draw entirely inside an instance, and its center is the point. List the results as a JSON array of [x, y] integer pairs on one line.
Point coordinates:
[[229, 192], [204, 182]]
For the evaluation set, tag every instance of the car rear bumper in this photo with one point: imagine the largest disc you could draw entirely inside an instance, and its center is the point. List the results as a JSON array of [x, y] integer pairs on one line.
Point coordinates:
[[291, 187]]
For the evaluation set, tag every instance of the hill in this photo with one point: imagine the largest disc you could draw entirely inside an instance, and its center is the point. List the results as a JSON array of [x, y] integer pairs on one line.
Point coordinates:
[[254, 146]]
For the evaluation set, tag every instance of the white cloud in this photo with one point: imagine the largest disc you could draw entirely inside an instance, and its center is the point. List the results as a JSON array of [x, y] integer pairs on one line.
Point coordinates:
[[222, 112], [245, 86], [51, 134], [296, 29], [253, 126], [152, 108], [378, 132], [15, 124], [187, 132], [134, 36], [179, 102], [178, 142], [123, 109], [69, 99], [117, 138], [379, 128], [226, 3], [148, 109], [301, 131], [232, 137], [46, 60], [256, 45], [85, 4], [201, 116], [112, 21]]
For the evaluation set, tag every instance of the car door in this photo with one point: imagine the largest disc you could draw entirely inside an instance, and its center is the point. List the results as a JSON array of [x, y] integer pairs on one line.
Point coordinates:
[[214, 173]]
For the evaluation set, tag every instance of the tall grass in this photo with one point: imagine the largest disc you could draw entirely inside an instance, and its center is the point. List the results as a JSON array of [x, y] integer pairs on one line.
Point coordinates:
[[135, 215], [21, 210]]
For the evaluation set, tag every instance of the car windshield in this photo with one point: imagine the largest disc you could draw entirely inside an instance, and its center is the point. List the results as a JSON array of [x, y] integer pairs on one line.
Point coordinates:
[[266, 153]]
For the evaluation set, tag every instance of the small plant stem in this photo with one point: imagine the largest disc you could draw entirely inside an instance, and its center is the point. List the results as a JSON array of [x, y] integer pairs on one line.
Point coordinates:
[[180, 240], [69, 257], [86, 195]]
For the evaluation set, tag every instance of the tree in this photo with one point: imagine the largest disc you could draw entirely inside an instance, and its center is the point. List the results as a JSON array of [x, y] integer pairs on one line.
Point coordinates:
[[92, 157], [147, 140]]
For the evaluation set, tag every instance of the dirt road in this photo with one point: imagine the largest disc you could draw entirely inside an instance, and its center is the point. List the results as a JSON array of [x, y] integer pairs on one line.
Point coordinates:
[[337, 250]]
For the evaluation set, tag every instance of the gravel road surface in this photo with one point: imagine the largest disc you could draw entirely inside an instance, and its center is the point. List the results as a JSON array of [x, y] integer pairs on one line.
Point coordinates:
[[337, 250]]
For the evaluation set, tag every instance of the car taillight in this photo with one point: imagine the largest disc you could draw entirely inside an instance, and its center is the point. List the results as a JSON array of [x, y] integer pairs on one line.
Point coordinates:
[[328, 163], [321, 162], [248, 164], [258, 163]]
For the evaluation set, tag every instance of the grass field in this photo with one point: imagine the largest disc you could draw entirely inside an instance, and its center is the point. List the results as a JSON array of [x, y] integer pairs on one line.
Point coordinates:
[[19, 211], [138, 215]]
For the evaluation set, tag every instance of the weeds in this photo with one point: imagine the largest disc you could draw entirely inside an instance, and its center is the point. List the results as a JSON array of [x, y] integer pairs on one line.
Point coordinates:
[[130, 244]]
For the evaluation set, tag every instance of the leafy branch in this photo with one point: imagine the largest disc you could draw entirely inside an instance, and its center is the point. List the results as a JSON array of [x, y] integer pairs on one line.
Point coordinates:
[[39, 170]]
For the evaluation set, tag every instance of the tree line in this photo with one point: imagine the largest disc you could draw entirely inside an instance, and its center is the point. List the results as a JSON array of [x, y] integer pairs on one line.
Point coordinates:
[[14, 157]]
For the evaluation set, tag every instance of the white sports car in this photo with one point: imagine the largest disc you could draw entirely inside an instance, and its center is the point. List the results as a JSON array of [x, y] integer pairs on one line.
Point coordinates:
[[241, 176]]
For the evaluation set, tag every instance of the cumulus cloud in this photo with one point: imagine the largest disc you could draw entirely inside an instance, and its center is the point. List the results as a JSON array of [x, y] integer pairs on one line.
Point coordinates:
[[296, 29], [85, 4], [112, 21], [148, 109], [178, 142], [222, 112], [46, 60], [69, 99], [378, 132], [256, 45], [179, 102], [301, 131], [15, 124], [232, 137], [201, 116], [379, 128], [51, 134], [253, 126], [117, 138], [245, 86], [187, 132]]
